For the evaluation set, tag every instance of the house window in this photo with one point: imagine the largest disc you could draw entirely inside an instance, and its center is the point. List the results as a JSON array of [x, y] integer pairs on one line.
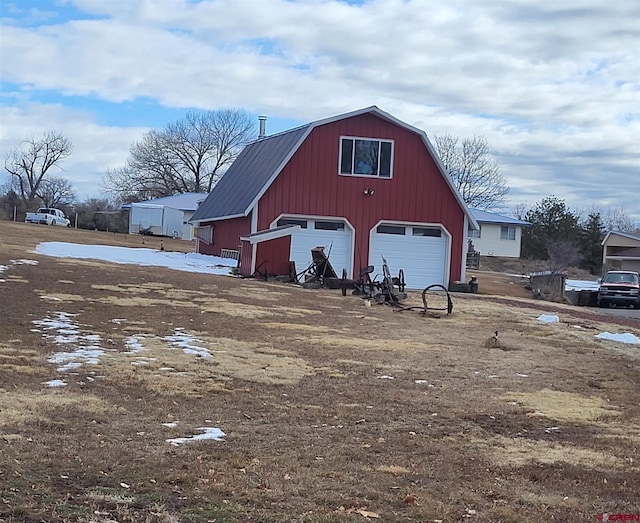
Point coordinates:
[[290, 221], [390, 229], [475, 234], [507, 232], [364, 157], [427, 231]]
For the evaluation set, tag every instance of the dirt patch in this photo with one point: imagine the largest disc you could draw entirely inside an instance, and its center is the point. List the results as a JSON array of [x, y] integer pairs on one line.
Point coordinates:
[[331, 410]]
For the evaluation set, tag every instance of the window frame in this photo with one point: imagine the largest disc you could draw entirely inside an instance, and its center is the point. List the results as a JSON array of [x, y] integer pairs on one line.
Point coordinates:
[[380, 141], [505, 233], [303, 223], [389, 228]]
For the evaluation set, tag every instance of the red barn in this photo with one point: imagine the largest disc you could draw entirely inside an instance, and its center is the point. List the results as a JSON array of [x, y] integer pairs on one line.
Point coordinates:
[[363, 185]]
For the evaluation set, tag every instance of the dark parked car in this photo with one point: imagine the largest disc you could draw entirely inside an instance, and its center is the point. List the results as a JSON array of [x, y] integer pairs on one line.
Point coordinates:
[[620, 288]]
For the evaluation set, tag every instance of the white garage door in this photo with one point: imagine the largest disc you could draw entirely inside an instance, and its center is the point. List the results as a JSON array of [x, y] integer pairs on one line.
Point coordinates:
[[333, 235], [421, 251]]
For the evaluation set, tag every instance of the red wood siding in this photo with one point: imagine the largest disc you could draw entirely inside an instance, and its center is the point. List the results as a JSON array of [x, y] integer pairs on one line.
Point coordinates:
[[310, 185], [246, 253], [226, 235], [273, 256]]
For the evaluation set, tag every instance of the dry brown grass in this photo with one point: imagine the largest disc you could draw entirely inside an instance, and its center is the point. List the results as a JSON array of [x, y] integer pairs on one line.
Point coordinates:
[[333, 411]]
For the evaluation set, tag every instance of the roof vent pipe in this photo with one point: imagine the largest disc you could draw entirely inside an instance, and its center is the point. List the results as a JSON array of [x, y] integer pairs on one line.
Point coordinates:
[[263, 126]]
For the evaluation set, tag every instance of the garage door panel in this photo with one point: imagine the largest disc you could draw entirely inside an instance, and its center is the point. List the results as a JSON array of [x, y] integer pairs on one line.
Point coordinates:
[[421, 257], [336, 243]]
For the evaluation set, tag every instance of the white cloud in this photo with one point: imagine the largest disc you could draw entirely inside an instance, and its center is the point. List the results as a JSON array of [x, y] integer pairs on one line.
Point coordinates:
[[553, 86]]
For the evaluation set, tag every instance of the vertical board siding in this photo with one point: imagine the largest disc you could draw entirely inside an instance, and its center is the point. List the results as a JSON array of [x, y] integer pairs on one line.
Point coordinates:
[[273, 256], [226, 235], [310, 185]]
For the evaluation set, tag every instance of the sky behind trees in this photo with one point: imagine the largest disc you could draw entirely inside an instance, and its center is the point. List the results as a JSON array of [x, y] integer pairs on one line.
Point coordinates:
[[553, 86]]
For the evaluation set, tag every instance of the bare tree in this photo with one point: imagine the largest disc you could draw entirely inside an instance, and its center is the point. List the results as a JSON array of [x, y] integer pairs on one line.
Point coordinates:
[[56, 192], [473, 171], [562, 255], [29, 165], [616, 219], [189, 155], [519, 211]]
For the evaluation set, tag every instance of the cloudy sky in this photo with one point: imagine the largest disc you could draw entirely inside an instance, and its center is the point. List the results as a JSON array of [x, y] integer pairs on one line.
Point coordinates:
[[554, 86]]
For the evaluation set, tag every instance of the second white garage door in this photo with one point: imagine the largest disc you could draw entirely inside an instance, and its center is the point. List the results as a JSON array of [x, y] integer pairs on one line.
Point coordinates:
[[334, 235], [421, 251]]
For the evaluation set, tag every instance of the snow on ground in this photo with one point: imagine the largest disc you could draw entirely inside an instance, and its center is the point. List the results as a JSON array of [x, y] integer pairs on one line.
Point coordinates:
[[84, 348], [548, 318], [209, 433], [581, 285], [625, 337], [179, 261]]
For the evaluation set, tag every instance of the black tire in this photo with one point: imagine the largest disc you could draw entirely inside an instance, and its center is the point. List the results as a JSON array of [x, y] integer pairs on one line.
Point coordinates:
[[53, 222], [401, 283], [603, 304], [343, 282]]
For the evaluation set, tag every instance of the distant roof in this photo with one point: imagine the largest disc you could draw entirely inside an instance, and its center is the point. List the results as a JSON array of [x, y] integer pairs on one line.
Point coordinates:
[[490, 217], [630, 235], [260, 162], [185, 202]]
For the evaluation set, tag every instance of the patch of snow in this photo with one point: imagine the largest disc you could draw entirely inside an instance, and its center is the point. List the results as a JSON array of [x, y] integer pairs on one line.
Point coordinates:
[[69, 366], [209, 433], [386, 377], [625, 337], [55, 383], [81, 355], [548, 318], [63, 331], [170, 424], [188, 262], [522, 375], [24, 262], [185, 342], [133, 344]]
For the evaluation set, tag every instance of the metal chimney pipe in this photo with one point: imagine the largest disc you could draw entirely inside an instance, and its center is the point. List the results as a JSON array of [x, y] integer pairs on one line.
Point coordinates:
[[263, 126]]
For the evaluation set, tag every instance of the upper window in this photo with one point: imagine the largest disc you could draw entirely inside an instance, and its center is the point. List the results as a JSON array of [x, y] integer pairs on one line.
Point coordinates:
[[292, 221], [329, 226], [507, 232], [427, 231], [391, 229], [363, 157]]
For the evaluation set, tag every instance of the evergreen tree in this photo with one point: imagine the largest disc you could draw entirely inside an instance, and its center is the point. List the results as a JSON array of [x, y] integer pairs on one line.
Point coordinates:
[[551, 223], [591, 236]]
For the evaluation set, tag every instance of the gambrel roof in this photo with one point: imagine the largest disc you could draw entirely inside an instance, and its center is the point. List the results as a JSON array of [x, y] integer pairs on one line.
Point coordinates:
[[260, 162]]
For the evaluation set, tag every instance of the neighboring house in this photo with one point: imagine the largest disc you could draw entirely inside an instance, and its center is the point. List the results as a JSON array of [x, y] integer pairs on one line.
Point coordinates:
[[498, 235], [363, 185], [621, 252], [186, 202]]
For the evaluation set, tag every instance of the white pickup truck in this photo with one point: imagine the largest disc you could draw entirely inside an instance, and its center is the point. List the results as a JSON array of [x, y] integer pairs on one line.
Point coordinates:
[[48, 216]]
